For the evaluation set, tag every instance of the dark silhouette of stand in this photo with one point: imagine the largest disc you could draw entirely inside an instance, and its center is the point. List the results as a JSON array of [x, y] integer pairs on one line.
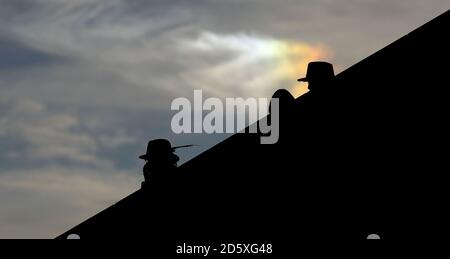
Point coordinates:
[[365, 156]]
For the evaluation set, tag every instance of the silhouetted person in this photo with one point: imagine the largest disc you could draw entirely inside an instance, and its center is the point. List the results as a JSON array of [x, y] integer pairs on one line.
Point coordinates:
[[286, 100], [320, 78], [160, 160], [319, 75], [285, 107]]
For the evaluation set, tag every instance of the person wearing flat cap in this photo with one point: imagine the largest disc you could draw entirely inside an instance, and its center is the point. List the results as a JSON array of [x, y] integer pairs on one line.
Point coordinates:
[[160, 159]]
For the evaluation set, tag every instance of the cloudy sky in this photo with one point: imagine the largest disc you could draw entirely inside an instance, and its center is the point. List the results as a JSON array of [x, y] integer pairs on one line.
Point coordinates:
[[84, 84]]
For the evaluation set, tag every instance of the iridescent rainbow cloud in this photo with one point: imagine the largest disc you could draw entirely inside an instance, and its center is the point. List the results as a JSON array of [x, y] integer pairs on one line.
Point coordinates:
[[251, 65], [293, 58]]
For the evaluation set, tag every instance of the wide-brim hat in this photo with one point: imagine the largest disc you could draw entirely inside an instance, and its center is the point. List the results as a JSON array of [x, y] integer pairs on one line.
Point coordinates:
[[318, 71], [160, 147]]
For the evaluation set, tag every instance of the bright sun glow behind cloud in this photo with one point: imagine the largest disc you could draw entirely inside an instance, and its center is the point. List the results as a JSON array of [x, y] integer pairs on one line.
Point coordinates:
[[251, 65], [293, 60]]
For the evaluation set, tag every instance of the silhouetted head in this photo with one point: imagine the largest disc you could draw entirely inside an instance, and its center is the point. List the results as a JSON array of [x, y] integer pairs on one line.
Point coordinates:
[[160, 149], [319, 73], [283, 94], [285, 99]]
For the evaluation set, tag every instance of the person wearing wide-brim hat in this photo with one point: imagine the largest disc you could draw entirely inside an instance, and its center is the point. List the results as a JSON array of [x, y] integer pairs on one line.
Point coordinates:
[[319, 73], [160, 157], [160, 149]]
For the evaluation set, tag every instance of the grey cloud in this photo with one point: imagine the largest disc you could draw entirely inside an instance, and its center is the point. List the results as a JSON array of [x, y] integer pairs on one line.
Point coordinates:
[[31, 133], [16, 56], [42, 203], [48, 135], [14, 9]]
